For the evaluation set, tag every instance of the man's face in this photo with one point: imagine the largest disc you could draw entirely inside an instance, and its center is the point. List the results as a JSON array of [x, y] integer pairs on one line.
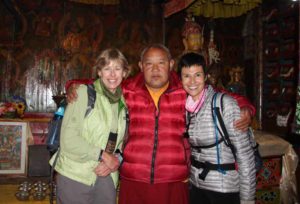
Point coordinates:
[[156, 67]]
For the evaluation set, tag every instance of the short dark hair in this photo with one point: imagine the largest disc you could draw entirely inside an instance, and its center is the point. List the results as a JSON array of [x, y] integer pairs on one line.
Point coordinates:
[[157, 46], [190, 59]]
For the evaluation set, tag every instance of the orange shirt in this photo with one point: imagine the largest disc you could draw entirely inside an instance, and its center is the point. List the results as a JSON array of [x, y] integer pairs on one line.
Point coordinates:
[[155, 95]]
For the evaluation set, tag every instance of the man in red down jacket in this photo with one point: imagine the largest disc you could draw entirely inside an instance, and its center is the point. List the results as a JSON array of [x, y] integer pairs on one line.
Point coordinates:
[[155, 164]]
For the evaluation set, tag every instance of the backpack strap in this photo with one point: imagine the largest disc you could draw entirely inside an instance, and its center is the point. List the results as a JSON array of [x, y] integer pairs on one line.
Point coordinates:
[[126, 130], [91, 98], [186, 134], [187, 124], [217, 104]]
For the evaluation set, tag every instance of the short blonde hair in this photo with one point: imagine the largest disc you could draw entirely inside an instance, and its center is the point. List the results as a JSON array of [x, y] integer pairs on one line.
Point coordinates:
[[111, 54]]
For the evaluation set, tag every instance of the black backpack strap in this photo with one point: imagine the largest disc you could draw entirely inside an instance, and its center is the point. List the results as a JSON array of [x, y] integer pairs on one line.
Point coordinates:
[[91, 98], [207, 166], [186, 134], [187, 124], [208, 146], [126, 130], [218, 100]]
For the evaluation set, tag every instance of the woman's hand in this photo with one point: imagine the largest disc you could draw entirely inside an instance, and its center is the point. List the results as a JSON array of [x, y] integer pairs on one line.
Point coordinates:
[[108, 164], [111, 161], [102, 170], [244, 122]]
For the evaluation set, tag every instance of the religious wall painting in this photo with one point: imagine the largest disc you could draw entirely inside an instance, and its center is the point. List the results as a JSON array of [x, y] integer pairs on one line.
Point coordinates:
[[78, 33], [61, 43], [174, 41], [43, 25], [43, 80], [11, 75], [13, 147], [80, 37], [13, 25], [138, 24], [134, 36]]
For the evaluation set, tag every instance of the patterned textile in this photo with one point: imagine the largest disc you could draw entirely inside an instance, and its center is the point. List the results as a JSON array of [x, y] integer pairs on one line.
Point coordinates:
[[270, 173], [268, 196]]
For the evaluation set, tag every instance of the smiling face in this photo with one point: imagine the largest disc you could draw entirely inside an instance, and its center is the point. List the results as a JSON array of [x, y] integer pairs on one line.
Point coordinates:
[[156, 67], [193, 80], [112, 75]]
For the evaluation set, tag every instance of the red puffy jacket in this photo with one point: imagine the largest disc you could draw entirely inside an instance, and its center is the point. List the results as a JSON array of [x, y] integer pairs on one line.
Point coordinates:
[[155, 151]]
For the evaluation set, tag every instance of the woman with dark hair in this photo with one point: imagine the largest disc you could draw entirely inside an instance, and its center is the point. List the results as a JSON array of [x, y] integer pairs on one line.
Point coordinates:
[[215, 178]]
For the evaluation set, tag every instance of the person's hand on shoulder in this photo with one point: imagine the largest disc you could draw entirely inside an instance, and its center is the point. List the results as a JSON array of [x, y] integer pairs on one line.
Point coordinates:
[[244, 122]]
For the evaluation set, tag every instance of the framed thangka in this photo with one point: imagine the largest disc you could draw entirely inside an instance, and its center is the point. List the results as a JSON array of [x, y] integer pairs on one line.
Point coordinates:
[[13, 147]]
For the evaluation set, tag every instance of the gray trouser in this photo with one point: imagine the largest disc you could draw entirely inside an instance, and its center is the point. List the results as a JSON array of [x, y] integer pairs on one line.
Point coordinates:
[[73, 192]]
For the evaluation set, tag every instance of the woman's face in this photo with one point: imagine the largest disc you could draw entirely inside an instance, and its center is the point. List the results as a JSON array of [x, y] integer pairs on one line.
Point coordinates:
[[112, 75], [193, 80]]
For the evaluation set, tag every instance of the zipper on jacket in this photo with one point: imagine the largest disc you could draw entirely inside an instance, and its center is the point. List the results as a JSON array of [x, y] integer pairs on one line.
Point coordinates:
[[154, 147]]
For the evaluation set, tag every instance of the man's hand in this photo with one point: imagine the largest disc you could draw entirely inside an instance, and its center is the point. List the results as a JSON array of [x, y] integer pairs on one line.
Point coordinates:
[[244, 122], [111, 161], [72, 93]]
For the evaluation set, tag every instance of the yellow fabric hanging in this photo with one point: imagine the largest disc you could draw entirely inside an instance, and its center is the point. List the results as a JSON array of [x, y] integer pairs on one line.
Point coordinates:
[[222, 9]]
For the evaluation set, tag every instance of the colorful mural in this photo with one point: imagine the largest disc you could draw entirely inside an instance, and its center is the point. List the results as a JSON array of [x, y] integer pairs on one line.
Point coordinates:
[[45, 43]]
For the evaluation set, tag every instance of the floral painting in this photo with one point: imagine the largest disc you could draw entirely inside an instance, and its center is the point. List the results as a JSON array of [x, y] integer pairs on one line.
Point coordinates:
[[12, 147]]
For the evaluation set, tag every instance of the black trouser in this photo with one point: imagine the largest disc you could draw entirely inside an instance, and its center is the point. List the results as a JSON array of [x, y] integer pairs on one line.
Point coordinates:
[[200, 196]]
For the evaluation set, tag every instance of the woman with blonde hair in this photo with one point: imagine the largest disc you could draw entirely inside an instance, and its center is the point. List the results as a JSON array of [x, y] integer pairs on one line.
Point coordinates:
[[90, 143]]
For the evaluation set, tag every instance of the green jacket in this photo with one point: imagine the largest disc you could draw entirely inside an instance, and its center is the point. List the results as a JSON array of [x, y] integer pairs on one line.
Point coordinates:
[[82, 138]]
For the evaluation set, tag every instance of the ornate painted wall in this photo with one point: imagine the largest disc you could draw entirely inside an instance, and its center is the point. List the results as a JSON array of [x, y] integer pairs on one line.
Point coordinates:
[[44, 43]]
